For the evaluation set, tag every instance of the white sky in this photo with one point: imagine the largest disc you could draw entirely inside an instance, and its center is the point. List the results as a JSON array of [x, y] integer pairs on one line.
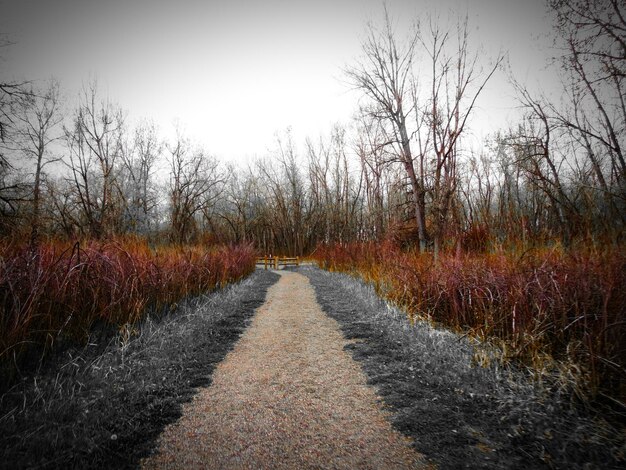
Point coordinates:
[[235, 72]]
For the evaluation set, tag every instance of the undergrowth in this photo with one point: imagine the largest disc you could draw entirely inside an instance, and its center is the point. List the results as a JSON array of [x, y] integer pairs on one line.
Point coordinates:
[[57, 293], [458, 414], [104, 406], [561, 313]]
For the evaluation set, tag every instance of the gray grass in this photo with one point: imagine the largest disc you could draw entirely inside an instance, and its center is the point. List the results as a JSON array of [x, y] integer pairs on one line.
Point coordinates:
[[104, 405], [453, 395]]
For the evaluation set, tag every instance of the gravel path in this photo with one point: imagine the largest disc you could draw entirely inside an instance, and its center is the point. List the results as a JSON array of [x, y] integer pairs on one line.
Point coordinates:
[[287, 396]]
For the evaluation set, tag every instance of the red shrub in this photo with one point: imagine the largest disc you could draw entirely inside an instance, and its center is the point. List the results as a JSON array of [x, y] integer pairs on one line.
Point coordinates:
[[570, 306], [59, 290]]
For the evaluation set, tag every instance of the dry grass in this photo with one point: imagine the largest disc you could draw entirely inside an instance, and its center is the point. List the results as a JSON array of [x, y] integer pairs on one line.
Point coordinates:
[[460, 414], [57, 292], [562, 313], [104, 406]]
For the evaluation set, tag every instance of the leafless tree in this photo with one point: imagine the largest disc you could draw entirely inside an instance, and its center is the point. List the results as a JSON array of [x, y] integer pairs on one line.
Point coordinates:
[[283, 183], [592, 37], [93, 148], [384, 74], [13, 190], [235, 215], [572, 150], [139, 157], [438, 105], [456, 82], [372, 153], [196, 182], [37, 121], [11, 93]]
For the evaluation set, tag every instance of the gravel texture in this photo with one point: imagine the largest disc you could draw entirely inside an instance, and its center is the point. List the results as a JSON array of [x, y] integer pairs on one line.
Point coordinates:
[[287, 396]]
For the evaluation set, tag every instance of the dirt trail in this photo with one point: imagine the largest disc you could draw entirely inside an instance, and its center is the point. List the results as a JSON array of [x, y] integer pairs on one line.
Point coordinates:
[[287, 396]]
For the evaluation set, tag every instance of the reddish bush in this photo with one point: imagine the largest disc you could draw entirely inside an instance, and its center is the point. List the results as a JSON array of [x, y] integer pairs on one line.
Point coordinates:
[[569, 306], [58, 291]]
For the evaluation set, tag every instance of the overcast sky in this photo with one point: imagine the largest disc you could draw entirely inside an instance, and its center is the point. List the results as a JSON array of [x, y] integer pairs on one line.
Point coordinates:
[[234, 72]]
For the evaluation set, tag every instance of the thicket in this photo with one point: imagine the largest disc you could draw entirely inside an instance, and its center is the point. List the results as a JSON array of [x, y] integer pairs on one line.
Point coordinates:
[[58, 293], [561, 312]]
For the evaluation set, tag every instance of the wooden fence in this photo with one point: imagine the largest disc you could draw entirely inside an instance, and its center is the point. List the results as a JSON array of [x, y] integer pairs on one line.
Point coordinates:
[[276, 261]]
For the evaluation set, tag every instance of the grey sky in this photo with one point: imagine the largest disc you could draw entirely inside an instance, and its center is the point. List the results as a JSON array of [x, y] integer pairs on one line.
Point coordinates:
[[235, 72]]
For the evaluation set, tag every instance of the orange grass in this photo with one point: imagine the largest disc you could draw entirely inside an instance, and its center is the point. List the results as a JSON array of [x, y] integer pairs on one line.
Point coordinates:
[[552, 309], [58, 291]]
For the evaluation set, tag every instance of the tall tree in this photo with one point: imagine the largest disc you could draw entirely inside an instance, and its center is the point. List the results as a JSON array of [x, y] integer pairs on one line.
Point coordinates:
[[196, 182], [592, 37], [384, 74], [443, 111], [370, 149], [139, 156], [573, 149], [93, 143], [12, 188], [37, 120], [431, 116]]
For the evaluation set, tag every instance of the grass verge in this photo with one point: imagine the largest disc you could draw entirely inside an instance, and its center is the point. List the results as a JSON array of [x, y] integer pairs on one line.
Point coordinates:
[[95, 409], [459, 414], [55, 293], [560, 312]]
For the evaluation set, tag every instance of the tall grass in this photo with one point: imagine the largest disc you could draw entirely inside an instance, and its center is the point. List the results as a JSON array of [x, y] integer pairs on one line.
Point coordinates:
[[58, 292], [561, 312]]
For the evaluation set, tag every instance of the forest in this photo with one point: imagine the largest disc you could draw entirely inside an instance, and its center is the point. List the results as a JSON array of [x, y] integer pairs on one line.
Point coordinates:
[[519, 242]]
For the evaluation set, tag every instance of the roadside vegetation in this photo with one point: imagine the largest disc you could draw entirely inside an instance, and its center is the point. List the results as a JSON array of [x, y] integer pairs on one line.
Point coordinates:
[[60, 294], [460, 412], [561, 313], [517, 240], [104, 404]]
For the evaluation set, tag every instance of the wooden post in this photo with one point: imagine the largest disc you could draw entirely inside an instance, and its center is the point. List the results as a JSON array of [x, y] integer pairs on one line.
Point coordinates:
[[265, 262], [297, 261], [276, 263]]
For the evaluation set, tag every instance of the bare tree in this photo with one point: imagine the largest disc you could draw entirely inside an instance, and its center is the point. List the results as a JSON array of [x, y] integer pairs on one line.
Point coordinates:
[[11, 93], [319, 188], [335, 193], [139, 157], [13, 192], [243, 213], [384, 75], [592, 36], [196, 182], [573, 150], [371, 152], [12, 187], [284, 186], [93, 148], [36, 121], [440, 110], [536, 153], [443, 111]]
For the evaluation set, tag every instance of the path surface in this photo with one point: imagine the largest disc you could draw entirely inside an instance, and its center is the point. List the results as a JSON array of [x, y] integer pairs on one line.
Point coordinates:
[[287, 396]]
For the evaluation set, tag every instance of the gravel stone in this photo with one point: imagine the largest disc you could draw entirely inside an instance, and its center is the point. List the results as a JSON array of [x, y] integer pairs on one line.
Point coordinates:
[[287, 396]]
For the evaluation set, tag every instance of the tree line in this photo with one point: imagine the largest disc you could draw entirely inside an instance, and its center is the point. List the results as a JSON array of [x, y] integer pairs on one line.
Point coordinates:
[[402, 169]]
